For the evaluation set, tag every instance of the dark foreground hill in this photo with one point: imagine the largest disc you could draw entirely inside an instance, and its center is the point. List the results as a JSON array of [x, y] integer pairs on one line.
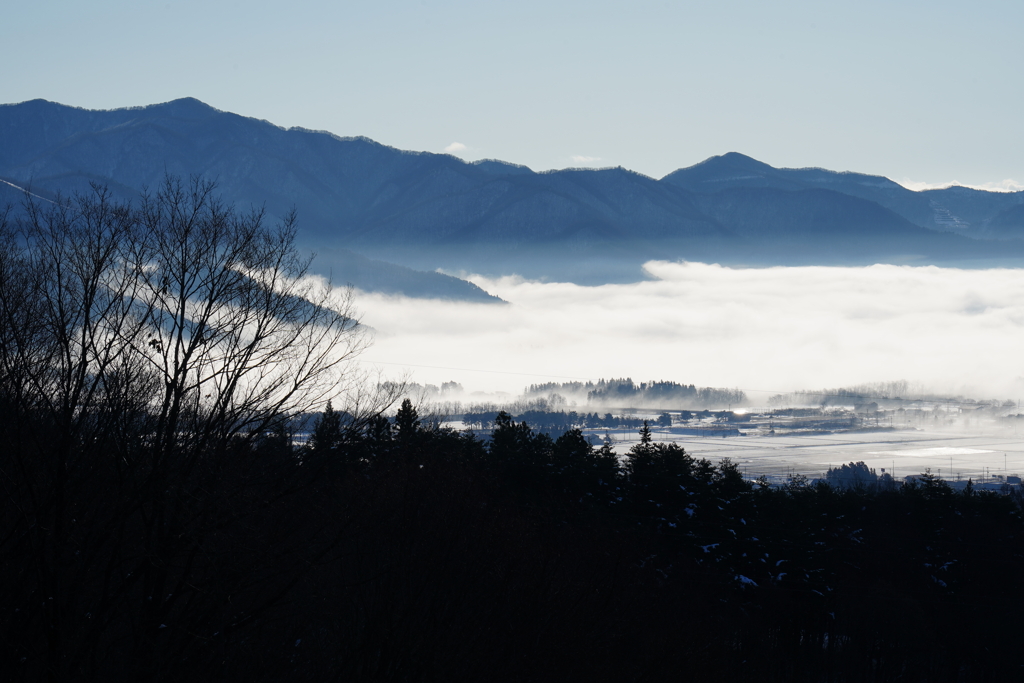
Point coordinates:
[[434, 210], [391, 551]]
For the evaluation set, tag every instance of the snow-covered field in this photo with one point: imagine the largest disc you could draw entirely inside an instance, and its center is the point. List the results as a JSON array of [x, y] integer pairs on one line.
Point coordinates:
[[977, 455]]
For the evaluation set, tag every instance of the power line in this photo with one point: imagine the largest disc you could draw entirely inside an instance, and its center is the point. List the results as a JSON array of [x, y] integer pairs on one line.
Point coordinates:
[[28, 192], [493, 372]]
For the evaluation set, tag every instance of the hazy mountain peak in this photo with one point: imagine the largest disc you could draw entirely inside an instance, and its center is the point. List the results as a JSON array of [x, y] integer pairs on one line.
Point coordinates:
[[732, 161], [497, 166], [737, 160], [32, 104], [602, 171], [184, 107]]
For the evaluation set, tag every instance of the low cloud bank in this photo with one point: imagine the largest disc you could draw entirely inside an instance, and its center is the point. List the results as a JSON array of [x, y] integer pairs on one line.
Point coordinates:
[[764, 330], [1006, 185]]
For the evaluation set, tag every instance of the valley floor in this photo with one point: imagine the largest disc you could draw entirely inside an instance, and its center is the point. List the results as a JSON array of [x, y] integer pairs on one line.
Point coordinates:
[[987, 457]]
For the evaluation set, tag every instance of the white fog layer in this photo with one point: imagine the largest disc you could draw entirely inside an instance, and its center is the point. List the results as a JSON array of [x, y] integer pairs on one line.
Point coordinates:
[[764, 330]]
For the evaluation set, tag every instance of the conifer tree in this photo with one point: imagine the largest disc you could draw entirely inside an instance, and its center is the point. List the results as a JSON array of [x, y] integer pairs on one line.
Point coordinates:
[[327, 431], [407, 422]]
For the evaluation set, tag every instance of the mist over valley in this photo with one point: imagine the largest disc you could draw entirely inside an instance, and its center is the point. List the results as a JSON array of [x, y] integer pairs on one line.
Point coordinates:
[[452, 342], [728, 273], [763, 330]]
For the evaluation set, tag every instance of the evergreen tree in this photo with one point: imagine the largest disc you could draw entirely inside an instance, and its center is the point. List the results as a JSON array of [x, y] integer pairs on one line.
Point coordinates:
[[608, 472], [407, 423], [327, 432], [520, 453], [729, 480], [640, 463], [660, 476], [378, 439], [329, 446], [583, 473]]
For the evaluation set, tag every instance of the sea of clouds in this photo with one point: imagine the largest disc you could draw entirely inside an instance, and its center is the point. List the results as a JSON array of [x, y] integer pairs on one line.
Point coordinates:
[[763, 330]]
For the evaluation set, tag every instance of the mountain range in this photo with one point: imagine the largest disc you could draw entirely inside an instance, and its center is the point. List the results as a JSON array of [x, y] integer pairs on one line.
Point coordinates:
[[372, 209]]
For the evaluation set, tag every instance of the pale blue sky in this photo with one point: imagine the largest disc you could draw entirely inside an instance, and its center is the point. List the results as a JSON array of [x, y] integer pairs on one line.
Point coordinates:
[[922, 91]]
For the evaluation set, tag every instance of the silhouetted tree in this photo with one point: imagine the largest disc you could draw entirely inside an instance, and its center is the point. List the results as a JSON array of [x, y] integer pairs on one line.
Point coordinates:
[[852, 475], [328, 433], [151, 357], [406, 423]]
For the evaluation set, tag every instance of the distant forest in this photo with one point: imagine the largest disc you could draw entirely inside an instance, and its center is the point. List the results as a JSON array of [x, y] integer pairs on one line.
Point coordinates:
[[165, 516], [554, 421], [899, 390], [624, 392]]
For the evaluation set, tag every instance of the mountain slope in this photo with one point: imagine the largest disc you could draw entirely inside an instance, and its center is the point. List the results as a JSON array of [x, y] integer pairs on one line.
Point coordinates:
[[343, 266], [429, 210], [954, 209], [1008, 223]]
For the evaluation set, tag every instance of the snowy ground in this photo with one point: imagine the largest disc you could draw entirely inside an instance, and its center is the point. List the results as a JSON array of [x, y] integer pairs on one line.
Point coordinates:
[[951, 454]]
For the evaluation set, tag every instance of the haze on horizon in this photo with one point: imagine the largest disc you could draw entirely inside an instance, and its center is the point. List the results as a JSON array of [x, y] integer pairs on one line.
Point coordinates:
[[922, 93], [762, 330]]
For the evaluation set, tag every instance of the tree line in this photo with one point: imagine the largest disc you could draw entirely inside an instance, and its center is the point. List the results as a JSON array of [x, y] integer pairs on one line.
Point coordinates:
[[396, 550], [625, 391], [554, 421]]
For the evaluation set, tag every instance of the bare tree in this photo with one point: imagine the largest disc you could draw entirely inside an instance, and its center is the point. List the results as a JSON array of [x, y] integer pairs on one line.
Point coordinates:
[[240, 332], [218, 308], [146, 351]]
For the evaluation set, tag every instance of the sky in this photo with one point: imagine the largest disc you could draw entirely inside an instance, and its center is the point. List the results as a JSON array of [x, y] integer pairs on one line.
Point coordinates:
[[763, 330], [925, 93]]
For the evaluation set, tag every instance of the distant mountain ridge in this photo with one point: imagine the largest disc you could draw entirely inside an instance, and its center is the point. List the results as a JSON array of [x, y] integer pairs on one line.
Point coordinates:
[[429, 210], [946, 209]]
